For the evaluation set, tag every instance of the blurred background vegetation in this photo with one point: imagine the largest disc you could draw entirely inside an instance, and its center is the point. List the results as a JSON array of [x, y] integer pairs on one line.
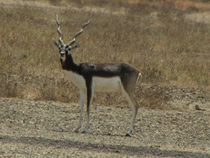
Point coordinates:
[[159, 37]]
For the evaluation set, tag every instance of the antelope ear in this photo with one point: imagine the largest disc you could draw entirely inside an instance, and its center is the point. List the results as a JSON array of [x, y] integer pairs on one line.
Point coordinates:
[[56, 43], [75, 46]]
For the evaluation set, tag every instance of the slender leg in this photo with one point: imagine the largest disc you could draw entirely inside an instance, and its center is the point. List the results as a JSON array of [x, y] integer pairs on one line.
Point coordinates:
[[131, 100], [82, 102], [89, 101], [128, 83]]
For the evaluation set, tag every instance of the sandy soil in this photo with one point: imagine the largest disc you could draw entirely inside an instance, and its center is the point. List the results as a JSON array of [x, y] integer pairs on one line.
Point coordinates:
[[45, 129]]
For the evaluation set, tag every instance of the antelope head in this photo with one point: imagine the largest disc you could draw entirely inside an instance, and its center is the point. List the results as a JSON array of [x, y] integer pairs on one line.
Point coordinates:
[[64, 49]]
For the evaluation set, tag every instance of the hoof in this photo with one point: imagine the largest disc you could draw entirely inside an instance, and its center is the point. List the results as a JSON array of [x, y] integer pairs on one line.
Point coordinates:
[[128, 135], [76, 131], [84, 132]]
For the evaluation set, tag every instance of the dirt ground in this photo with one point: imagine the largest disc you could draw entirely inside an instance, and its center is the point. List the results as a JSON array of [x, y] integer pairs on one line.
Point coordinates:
[[45, 129]]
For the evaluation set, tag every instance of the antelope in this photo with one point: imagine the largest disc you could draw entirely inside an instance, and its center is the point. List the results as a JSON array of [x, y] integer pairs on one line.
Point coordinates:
[[107, 77]]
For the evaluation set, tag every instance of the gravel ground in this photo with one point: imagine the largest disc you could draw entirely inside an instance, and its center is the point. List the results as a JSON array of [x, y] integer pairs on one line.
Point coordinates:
[[45, 129]]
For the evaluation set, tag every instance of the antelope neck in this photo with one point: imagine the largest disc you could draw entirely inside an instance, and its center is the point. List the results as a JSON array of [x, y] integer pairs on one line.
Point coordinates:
[[69, 65]]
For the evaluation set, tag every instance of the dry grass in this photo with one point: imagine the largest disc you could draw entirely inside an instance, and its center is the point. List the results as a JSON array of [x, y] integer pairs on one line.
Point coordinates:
[[154, 37]]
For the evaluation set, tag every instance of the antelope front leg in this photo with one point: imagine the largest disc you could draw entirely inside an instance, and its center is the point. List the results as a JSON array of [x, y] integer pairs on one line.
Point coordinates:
[[89, 101], [82, 102]]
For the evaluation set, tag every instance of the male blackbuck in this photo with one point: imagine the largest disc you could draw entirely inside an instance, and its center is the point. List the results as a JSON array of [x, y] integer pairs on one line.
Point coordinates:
[[107, 77]]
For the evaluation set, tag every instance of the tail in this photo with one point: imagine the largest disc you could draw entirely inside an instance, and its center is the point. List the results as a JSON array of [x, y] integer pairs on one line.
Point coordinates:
[[139, 76]]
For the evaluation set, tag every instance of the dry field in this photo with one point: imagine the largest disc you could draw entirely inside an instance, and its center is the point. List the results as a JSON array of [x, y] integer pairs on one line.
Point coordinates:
[[167, 40]]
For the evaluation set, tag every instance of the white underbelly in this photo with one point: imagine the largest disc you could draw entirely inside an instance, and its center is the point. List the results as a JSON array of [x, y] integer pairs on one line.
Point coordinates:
[[105, 84], [77, 79], [109, 84]]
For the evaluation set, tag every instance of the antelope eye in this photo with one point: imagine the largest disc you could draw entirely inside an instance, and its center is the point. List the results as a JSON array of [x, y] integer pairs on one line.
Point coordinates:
[[67, 47]]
